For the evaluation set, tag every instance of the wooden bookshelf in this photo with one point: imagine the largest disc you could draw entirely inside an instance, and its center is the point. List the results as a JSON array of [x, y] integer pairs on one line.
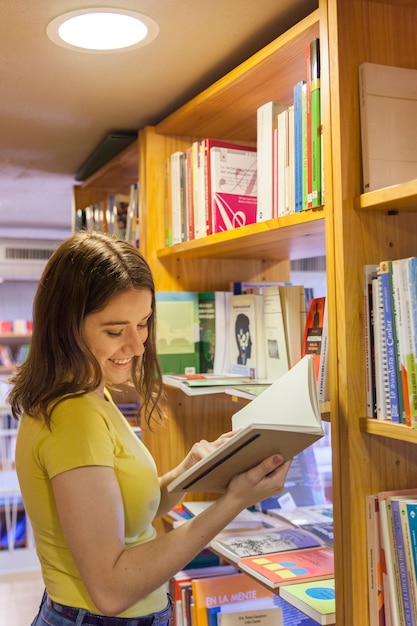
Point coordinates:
[[352, 229]]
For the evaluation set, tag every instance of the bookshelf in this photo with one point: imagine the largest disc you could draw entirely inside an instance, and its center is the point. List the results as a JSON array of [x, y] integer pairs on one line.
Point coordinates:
[[351, 230]]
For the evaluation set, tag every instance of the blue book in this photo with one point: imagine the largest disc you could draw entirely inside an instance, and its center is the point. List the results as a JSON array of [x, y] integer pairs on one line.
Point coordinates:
[[390, 341], [402, 562], [298, 145]]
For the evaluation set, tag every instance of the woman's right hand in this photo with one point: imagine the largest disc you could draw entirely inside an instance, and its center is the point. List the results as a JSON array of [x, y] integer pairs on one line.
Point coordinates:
[[260, 482]]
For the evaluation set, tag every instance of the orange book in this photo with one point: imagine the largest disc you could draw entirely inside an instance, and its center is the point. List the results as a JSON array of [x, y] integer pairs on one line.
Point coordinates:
[[209, 593], [286, 568]]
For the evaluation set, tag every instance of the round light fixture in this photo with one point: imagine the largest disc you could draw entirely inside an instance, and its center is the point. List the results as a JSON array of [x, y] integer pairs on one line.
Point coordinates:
[[102, 30]]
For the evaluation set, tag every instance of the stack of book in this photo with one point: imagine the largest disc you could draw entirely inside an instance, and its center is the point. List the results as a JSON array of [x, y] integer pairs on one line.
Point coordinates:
[[392, 556]]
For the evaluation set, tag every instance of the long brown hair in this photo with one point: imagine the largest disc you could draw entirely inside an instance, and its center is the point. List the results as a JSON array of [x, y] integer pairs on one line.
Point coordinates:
[[83, 274]]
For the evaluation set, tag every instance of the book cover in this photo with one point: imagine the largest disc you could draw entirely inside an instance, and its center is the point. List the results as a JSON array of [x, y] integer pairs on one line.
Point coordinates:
[[248, 613], [246, 336], [266, 118], [274, 333], [308, 514], [219, 591], [290, 422], [177, 331], [408, 267], [315, 599], [251, 543], [388, 101], [323, 531], [232, 186], [313, 332], [213, 323], [281, 568]]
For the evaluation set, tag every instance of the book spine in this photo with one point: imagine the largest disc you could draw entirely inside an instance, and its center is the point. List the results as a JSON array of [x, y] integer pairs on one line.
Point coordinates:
[[390, 343], [266, 121], [375, 588], [410, 546], [190, 193], [380, 369], [409, 603], [387, 543], [308, 128], [403, 337], [316, 167], [410, 300], [369, 273]]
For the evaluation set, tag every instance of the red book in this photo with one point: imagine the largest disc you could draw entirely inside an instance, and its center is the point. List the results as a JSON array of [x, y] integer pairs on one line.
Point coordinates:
[[285, 568], [313, 332]]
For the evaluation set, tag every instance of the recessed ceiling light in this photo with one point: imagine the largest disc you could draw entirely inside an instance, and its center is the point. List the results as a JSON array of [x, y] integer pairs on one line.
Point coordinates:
[[102, 30]]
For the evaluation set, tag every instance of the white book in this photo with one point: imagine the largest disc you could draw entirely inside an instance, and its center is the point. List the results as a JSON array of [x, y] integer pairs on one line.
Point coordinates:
[[274, 332], [246, 336], [284, 419], [266, 118], [388, 112]]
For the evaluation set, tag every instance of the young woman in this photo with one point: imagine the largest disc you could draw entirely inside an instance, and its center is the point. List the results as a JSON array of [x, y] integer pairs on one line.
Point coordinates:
[[89, 486]]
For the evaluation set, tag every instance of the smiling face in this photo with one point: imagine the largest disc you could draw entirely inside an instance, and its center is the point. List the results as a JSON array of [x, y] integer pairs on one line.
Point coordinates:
[[118, 333]]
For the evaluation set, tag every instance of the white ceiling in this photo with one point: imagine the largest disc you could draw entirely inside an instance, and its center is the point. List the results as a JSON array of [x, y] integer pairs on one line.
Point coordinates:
[[57, 105]]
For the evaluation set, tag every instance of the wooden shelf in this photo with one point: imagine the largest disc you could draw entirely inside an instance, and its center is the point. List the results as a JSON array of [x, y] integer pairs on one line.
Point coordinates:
[[282, 238], [395, 198], [385, 428]]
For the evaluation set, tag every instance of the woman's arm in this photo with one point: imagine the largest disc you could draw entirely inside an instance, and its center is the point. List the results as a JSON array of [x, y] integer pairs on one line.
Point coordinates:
[[90, 510]]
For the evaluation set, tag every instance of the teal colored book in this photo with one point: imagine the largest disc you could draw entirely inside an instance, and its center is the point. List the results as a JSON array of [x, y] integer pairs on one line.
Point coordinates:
[[315, 599], [177, 331]]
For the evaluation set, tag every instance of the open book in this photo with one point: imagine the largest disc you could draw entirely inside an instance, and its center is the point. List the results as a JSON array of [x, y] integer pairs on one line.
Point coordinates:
[[284, 419]]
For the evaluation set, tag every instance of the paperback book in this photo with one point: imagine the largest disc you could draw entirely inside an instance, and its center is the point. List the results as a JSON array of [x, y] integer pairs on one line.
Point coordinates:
[[284, 419], [316, 599], [291, 567]]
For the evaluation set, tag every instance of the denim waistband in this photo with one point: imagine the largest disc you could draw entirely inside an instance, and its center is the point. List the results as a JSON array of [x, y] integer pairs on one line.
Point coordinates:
[[91, 619]]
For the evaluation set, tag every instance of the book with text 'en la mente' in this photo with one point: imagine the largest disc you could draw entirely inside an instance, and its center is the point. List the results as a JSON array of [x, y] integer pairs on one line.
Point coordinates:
[[284, 419]]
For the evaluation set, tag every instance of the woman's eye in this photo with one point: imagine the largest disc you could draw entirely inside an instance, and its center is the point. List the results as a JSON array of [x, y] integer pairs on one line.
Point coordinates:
[[113, 334]]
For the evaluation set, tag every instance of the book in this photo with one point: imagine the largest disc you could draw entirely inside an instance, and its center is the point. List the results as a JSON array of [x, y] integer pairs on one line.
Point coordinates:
[[279, 568], [408, 516], [250, 543], [290, 422], [315, 599], [246, 336], [375, 562], [232, 185], [178, 201], [313, 332], [204, 384], [177, 331], [408, 590], [239, 286], [283, 164], [370, 273], [266, 120], [323, 382], [293, 307], [408, 268], [219, 591], [388, 103], [324, 531], [391, 577], [404, 343], [213, 312], [298, 144], [262, 612], [308, 514], [385, 272], [274, 334], [316, 137], [381, 378]]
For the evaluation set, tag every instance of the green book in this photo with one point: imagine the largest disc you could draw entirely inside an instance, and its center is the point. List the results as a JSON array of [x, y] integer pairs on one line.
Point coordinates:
[[177, 333]]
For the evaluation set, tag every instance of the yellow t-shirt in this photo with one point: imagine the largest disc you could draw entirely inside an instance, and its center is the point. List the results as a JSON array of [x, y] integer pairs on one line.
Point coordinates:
[[86, 430]]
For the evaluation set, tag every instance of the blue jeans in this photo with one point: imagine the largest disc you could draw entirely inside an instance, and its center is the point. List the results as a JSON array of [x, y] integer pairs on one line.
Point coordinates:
[[52, 614]]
